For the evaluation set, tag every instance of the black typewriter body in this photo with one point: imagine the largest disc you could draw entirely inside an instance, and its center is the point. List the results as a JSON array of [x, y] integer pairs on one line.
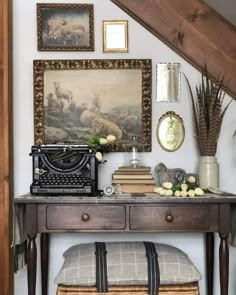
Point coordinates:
[[63, 170]]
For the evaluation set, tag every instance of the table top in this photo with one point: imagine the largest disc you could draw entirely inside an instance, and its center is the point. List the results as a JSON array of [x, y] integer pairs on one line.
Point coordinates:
[[123, 198]]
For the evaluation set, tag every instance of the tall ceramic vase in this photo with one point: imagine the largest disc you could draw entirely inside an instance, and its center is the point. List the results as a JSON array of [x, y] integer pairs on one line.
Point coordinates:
[[208, 172]]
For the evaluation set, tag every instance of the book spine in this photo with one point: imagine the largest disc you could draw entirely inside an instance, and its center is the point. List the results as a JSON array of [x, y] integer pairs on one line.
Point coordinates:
[[133, 181], [131, 172], [139, 168], [130, 176], [139, 188]]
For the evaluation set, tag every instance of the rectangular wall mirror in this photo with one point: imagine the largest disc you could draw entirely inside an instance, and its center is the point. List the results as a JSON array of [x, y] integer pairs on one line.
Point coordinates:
[[168, 82], [115, 36]]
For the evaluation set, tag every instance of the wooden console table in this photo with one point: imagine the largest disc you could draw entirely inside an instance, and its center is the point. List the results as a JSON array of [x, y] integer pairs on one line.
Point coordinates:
[[127, 213]]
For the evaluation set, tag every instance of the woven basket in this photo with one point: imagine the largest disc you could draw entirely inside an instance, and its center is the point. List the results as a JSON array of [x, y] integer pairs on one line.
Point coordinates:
[[183, 289]]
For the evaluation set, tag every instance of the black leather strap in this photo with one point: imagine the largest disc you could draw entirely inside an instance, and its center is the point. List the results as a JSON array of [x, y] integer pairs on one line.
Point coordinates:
[[153, 269], [101, 267]]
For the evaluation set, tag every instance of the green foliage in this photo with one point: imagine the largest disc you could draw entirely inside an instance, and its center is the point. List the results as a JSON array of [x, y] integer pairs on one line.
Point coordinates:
[[94, 142]]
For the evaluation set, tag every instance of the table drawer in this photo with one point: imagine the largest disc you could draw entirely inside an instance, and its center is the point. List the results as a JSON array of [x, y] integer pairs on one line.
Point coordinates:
[[169, 217], [74, 217]]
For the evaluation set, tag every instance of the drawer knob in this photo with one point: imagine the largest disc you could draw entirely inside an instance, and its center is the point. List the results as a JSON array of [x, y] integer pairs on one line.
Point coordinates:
[[85, 217], [169, 218]]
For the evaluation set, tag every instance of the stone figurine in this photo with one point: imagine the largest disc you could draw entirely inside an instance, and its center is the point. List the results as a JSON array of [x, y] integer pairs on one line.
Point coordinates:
[[173, 175]]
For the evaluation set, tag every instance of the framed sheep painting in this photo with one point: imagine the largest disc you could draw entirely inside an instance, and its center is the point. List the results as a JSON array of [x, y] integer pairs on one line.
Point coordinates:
[[74, 99], [65, 27]]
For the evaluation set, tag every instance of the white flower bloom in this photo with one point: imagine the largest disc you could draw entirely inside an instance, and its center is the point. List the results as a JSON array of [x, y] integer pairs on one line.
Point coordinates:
[[183, 194], [169, 192], [198, 191], [111, 138], [167, 185], [191, 193], [103, 141], [98, 155], [184, 186], [162, 192], [191, 179], [157, 189], [177, 193]]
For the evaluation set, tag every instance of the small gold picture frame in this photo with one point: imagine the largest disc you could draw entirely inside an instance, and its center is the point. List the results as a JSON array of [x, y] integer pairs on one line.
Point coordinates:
[[115, 36]]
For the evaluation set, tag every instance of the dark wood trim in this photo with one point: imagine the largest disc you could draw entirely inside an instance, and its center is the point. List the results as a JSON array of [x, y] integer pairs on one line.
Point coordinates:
[[224, 230], [6, 273], [67, 214], [31, 263], [44, 246], [193, 29], [210, 262], [224, 264]]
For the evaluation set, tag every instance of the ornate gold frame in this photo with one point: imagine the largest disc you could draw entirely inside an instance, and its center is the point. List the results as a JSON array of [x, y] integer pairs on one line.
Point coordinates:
[[58, 36], [118, 23], [181, 122], [142, 65]]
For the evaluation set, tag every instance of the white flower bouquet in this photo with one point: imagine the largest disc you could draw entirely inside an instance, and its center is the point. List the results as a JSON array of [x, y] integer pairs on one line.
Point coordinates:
[[100, 145]]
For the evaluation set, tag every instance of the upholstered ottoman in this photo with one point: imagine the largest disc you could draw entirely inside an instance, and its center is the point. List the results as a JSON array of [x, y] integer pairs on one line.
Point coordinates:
[[127, 268]]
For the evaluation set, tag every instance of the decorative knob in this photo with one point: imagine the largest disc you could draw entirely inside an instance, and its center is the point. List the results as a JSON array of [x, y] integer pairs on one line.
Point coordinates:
[[169, 218], [85, 217]]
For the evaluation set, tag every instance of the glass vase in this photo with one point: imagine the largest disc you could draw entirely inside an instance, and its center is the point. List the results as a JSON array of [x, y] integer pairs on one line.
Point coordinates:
[[208, 172]]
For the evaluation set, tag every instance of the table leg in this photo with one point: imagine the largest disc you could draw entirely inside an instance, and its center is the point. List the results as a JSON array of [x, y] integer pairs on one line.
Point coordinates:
[[224, 264], [31, 264], [44, 243], [210, 261]]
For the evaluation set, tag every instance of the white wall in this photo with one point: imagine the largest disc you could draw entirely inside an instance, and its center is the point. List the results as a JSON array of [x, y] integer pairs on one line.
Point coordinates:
[[142, 45], [227, 8]]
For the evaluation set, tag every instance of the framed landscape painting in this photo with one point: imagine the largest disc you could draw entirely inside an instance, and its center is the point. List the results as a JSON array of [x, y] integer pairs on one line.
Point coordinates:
[[65, 27], [74, 99]]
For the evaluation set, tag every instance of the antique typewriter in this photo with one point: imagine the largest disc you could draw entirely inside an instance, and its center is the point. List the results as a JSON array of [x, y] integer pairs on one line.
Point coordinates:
[[63, 170]]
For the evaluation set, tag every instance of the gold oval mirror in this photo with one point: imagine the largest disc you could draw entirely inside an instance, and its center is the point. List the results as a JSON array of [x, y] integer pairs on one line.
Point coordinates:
[[170, 131]]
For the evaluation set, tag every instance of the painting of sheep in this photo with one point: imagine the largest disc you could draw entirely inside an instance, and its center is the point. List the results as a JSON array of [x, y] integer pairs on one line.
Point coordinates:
[[65, 27], [84, 97]]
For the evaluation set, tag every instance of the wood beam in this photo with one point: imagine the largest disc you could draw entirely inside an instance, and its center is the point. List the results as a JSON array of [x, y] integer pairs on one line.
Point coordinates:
[[6, 281], [194, 30]]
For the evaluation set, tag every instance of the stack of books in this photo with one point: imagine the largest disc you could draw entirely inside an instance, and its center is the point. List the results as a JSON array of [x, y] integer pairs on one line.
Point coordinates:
[[134, 180]]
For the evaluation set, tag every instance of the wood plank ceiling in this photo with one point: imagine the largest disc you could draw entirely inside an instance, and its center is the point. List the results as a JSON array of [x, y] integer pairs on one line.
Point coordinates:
[[194, 30]]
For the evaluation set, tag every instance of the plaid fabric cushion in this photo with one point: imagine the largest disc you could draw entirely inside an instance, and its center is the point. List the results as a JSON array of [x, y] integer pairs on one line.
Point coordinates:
[[126, 265]]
